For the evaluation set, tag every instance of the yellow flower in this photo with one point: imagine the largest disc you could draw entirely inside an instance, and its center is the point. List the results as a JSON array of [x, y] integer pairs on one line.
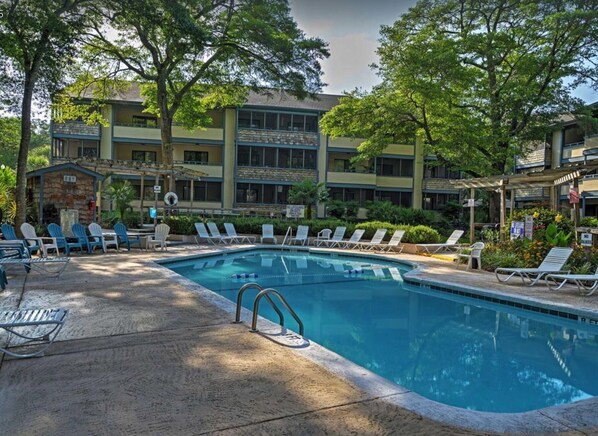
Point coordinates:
[[536, 215], [558, 218]]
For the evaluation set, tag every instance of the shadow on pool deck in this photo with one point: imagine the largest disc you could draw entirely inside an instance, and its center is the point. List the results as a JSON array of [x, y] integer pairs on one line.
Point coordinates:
[[141, 354]]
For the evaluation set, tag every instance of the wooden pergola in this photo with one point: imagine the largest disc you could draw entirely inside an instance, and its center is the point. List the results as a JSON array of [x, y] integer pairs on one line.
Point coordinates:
[[142, 169], [548, 178]]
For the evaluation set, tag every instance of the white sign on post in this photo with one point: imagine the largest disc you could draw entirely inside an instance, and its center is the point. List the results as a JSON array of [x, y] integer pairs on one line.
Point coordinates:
[[157, 189], [517, 230], [470, 202], [295, 211], [529, 226], [585, 239]]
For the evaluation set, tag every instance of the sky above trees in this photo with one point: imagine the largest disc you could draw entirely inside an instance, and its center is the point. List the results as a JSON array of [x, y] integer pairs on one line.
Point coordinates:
[[352, 28]]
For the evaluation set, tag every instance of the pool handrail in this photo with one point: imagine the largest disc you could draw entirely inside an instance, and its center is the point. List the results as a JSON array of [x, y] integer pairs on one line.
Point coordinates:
[[260, 288], [265, 293]]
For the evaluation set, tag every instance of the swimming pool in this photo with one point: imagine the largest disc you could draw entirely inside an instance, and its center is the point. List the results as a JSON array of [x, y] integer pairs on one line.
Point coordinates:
[[454, 350]]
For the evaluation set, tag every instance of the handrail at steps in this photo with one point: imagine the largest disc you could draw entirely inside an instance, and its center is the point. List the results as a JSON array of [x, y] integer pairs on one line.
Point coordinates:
[[240, 298], [289, 233], [265, 293]]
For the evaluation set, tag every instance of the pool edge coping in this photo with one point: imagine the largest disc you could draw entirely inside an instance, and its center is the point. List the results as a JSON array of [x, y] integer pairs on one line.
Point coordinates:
[[554, 419]]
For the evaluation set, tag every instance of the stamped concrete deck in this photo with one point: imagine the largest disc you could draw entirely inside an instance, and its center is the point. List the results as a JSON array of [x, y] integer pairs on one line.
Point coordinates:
[[144, 354]]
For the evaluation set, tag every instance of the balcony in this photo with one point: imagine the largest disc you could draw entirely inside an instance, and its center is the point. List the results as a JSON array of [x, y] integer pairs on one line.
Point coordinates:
[[75, 128], [211, 170], [260, 136], [352, 178], [130, 131]]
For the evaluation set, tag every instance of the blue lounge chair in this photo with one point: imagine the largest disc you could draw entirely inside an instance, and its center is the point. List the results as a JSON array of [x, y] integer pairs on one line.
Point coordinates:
[[56, 232], [124, 238], [85, 240], [9, 234]]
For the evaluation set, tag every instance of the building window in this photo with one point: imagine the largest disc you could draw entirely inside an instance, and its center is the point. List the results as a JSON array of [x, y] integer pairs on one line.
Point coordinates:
[[440, 172], [434, 201], [204, 191], [144, 156], [272, 157], [361, 196], [196, 157], [84, 151], [275, 121], [297, 159], [394, 167], [145, 121], [256, 158], [262, 193], [403, 199], [284, 158], [244, 119], [310, 159]]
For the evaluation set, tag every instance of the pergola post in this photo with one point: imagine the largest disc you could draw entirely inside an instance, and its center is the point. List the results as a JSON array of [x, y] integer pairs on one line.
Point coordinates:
[[472, 216], [512, 203], [503, 205], [142, 196], [191, 195]]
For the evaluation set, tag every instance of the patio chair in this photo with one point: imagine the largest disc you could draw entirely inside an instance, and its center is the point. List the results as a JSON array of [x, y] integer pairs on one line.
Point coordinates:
[[202, 233], [61, 241], [268, 233], [450, 244], [46, 324], [301, 237], [15, 253], [376, 241], [474, 254], [586, 283], [159, 237], [107, 241], [124, 238], [552, 264], [240, 239], [394, 245], [85, 240], [323, 235], [354, 240], [336, 240], [45, 243], [3, 279], [8, 232], [215, 233]]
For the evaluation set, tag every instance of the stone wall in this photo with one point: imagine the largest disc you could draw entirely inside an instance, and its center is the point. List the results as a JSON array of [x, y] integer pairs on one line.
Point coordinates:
[[66, 195], [76, 128], [281, 174], [278, 137]]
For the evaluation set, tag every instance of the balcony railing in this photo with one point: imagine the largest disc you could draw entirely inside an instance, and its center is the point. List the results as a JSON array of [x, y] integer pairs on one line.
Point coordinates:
[[76, 128]]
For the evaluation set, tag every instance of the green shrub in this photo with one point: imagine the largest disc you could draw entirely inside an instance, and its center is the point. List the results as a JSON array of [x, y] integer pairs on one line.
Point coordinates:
[[370, 228], [182, 225], [544, 217], [383, 211], [589, 221], [421, 235], [131, 219]]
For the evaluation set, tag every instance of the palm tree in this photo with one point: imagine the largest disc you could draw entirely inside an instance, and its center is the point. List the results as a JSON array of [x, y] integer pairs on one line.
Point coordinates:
[[122, 193], [308, 194]]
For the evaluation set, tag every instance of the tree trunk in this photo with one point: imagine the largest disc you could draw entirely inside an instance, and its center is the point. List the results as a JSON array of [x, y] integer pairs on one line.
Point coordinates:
[[166, 133], [21, 190]]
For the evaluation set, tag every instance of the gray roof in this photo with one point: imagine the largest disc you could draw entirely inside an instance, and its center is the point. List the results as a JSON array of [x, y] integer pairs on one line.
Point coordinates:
[[269, 98], [64, 166]]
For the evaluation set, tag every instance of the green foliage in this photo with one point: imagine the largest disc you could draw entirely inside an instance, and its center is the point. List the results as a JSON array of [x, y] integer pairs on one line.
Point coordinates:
[[389, 212], [38, 158], [413, 234], [10, 138], [556, 237], [346, 210], [183, 225], [542, 219], [308, 194], [8, 179], [589, 221], [473, 80], [122, 193], [131, 219]]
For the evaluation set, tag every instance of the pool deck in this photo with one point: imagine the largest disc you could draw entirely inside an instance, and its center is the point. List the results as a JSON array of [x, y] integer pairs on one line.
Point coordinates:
[[144, 353]]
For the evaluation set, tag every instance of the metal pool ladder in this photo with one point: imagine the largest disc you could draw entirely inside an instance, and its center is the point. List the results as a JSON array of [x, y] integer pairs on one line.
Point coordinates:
[[256, 303]]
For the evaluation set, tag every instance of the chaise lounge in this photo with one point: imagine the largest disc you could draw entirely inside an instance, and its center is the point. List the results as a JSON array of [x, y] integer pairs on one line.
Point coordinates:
[[552, 264]]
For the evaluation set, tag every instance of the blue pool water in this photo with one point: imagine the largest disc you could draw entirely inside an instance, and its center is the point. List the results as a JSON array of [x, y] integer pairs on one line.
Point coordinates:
[[461, 352]]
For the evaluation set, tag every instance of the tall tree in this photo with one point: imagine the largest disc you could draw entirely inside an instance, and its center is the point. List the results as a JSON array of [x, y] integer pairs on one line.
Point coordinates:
[[192, 55], [308, 193], [37, 41], [474, 79]]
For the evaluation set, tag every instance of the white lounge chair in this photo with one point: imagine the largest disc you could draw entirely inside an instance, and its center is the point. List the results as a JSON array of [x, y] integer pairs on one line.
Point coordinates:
[[45, 243], [354, 240], [46, 323], [159, 237], [376, 241], [107, 241], [395, 243], [552, 264], [475, 253], [336, 240], [302, 236], [240, 239], [450, 244], [268, 233], [586, 283], [215, 233], [202, 234]]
